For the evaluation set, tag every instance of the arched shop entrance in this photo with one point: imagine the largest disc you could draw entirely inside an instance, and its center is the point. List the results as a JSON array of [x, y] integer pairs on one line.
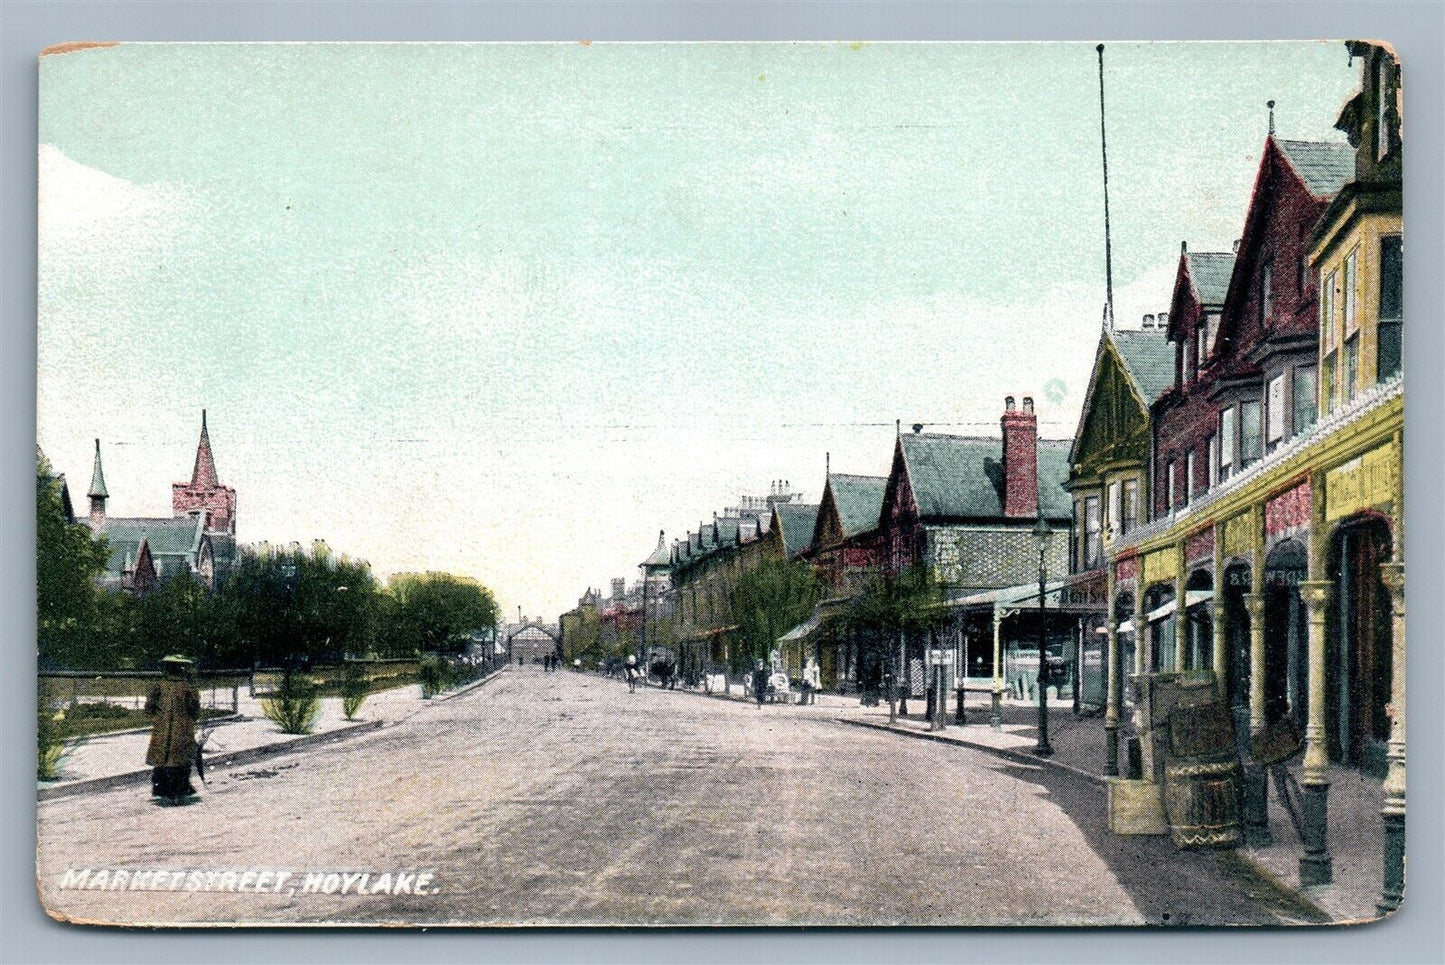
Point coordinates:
[[1286, 686], [1160, 620], [1358, 648], [1237, 581], [1199, 596]]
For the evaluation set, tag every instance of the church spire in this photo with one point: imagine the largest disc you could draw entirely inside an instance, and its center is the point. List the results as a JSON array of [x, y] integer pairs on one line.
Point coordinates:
[[203, 476], [97, 477], [97, 493]]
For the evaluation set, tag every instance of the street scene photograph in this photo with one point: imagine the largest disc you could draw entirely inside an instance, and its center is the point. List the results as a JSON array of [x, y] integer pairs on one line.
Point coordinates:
[[720, 484]]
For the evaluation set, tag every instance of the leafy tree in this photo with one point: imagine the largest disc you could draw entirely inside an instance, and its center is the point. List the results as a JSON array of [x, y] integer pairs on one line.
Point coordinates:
[[68, 558], [435, 612], [889, 607], [767, 602], [291, 607]]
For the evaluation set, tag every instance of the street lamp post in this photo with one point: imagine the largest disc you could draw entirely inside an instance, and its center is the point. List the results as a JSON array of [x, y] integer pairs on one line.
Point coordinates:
[[1042, 534]]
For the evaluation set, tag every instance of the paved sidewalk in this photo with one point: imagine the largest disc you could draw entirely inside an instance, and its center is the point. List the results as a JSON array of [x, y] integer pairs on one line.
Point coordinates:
[[114, 755]]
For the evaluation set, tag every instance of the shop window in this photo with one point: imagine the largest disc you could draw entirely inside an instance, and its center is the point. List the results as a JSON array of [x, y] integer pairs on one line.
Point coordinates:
[[1250, 433], [1305, 403], [1391, 307]]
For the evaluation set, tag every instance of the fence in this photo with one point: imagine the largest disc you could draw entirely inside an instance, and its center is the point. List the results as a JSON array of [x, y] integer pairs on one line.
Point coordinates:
[[378, 674], [219, 690]]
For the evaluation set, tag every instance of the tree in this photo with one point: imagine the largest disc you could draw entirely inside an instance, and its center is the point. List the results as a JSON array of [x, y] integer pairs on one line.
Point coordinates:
[[435, 612], [68, 558], [889, 608], [767, 602], [284, 608]]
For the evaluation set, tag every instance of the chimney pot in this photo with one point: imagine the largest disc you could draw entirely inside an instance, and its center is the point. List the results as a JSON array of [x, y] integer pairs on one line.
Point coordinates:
[[1148, 321], [1236, 246], [917, 428], [1184, 247], [1008, 403], [1163, 319], [1028, 403]]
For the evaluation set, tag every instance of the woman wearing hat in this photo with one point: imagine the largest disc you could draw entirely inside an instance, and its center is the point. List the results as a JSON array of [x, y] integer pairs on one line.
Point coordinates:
[[176, 707]]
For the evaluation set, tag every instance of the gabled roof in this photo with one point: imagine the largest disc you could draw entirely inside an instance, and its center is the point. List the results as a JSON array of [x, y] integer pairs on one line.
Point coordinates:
[[178, 536], [1209, 273], [797, 521], [859, 501], [1148, 359], [1323, 166], [962, 476]]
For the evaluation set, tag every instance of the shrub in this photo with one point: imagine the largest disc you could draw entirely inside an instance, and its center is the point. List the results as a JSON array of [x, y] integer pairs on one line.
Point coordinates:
[[354, 689], [52, 749], [437, 674], [293, 708]]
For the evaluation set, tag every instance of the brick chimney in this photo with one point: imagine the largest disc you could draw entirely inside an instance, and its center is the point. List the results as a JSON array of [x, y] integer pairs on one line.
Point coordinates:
[[1020, 460]]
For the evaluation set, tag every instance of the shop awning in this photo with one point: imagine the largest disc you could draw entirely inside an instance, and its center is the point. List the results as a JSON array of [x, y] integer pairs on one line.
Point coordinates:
[[803, 630], [823, 613], [1194, 598], [1061, 595]]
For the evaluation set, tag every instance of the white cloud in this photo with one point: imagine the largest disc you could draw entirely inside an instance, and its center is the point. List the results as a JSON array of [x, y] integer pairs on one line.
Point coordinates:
[[81, 207]]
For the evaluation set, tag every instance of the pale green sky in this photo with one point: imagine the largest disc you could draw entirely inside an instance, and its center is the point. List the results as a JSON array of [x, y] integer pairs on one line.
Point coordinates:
[[510, 309]]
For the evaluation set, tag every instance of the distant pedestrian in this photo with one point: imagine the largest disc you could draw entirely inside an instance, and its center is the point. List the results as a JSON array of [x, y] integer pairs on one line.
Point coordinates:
[[176, 707], [812, 681], [760, 683], [632, 673]]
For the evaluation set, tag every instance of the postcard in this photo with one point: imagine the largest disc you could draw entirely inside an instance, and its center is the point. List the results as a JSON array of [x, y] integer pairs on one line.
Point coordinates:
[[574, 484]]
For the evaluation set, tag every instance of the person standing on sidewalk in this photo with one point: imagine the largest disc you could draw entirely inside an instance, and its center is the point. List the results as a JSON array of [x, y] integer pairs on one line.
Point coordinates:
[[632, 673], [760, 683], [176, 707], [812, 681]]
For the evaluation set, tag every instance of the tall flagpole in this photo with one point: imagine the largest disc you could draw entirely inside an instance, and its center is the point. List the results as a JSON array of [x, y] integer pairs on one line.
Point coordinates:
[[1108, 250]]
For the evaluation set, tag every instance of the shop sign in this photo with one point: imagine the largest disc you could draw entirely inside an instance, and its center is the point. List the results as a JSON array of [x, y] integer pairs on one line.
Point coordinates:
[[1363, 482]]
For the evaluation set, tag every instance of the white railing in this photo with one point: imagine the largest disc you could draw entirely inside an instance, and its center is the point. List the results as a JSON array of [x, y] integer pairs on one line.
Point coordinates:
[[1352, 411]]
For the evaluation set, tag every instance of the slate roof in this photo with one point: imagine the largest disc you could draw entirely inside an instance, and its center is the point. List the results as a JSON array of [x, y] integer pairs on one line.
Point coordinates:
[[1210, 271], [1149, 359], [859, 500], [797, 520], [1323, 166], [166, 536], [962, 476]]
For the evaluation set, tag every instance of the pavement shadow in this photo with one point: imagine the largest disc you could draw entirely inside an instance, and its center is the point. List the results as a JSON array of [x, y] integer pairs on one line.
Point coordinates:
[[1169, 887]]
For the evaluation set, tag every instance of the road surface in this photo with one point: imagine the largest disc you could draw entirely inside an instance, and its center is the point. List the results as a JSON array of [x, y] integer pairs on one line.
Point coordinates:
[[563, 799]]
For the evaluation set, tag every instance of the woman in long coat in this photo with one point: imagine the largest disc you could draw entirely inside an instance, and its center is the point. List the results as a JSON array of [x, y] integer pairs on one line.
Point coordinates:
[[176, 707]]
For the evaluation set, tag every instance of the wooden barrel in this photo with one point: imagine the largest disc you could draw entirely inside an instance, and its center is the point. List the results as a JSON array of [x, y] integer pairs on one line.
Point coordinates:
[[1201, 778]]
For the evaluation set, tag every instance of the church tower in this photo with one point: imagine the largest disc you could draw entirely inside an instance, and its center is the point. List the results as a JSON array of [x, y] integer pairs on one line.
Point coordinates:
[[204, 494]]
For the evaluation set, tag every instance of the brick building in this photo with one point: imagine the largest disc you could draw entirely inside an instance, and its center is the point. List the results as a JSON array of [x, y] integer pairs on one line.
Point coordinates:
[[964, 507], [199, 537]]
